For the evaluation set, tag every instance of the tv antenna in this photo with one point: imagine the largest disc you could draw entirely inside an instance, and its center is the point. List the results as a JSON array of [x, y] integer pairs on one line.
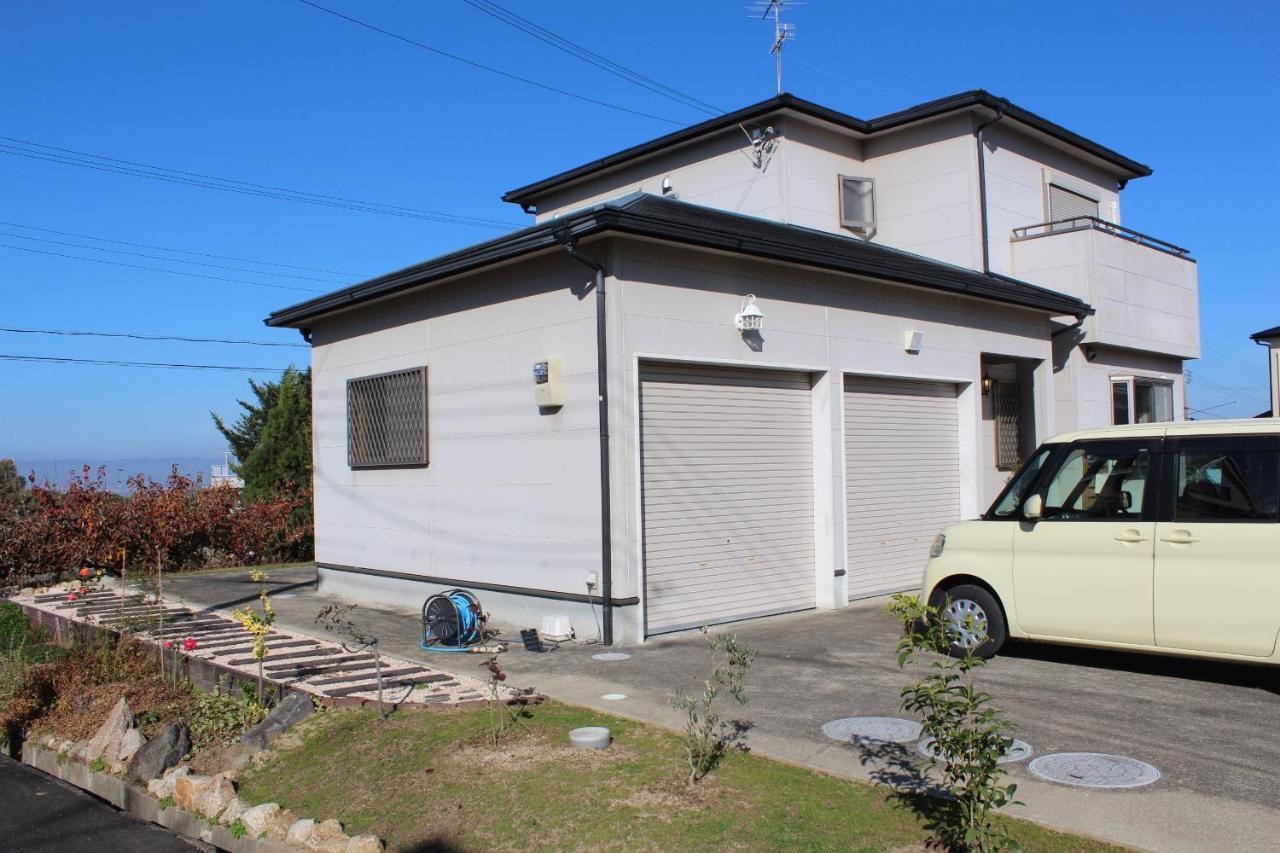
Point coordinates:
[[782, 32]]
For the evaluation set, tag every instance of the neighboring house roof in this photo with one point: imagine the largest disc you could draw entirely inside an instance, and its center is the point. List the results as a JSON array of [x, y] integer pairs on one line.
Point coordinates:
[[643, 215], [1266, 334], [1124, 166]]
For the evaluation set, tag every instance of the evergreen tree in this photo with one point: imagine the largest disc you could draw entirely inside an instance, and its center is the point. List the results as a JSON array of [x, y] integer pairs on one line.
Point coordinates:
[[244, 435], [282, 454], [11, 482]]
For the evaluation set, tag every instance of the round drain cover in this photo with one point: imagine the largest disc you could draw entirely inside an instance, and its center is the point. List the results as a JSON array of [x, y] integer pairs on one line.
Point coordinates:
[[1018, 750], [871, 729], [614, 697], [1094, 770], [611, 656]]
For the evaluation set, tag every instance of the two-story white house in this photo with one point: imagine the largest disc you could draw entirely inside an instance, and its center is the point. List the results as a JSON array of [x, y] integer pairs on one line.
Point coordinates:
[[749, 367]]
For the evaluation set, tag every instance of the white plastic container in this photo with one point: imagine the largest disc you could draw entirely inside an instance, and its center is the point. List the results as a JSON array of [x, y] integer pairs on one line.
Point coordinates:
[[590, 737], [557, 627]]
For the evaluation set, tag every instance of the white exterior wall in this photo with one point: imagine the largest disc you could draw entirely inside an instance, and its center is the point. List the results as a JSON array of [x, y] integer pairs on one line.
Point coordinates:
[[1145, 299], [511, 494], [1019, 170], [1083, 387], [714, 172], [927, 190], [678, 304]]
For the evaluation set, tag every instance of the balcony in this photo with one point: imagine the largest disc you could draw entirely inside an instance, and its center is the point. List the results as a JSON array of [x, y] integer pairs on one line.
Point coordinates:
[[1145, 290]]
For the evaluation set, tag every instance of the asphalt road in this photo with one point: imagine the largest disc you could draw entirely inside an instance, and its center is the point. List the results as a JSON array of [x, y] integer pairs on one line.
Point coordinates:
[[39, 814], [1211, 729]]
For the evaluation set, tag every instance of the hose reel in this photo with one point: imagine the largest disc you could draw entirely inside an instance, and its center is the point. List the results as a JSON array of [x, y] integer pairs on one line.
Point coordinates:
[[452, 621]]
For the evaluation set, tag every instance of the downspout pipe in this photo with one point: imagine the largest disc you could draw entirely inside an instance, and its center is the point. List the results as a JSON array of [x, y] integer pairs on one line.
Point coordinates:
[[982, 188], [602, 374]]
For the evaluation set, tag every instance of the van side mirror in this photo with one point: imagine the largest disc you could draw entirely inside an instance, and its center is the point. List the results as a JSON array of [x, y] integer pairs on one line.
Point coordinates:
[[1033, 508]]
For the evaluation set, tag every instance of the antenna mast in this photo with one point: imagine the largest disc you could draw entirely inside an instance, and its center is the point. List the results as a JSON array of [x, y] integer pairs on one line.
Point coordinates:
[[782, 32]]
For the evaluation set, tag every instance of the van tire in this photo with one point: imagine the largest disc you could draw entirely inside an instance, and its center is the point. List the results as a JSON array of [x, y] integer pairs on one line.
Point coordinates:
[[970, 598]]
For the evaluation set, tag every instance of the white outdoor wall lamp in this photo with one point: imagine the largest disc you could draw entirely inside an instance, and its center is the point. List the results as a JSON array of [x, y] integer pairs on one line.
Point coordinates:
[[749, 318]]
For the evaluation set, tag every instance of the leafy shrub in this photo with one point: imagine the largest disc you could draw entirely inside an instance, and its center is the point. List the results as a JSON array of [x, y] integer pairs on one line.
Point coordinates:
[[238, 829], [221, 717], [13, 625], [178, 522], [970, 734], [706, 738]]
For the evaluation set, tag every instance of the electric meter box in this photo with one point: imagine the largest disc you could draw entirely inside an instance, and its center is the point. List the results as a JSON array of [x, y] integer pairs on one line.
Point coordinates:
[[548, 383]]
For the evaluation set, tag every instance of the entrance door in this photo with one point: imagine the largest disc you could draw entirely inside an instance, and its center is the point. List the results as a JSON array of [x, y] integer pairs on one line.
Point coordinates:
[[727, 466], [1084, 571], [1217, 585]]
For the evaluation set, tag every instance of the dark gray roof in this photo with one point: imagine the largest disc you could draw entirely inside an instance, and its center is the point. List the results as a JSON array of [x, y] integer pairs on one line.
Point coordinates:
[[1126, 167], [1266, 333], [643, 215]]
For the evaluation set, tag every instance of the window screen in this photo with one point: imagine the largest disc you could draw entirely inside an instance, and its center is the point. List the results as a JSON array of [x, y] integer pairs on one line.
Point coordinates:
[[1065, 204], [1222, 484], [387, 419], [1008, 429], [1099, 483], [857, 203], [1120, 402]]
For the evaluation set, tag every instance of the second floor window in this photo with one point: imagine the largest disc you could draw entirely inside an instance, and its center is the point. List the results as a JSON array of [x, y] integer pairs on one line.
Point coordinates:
[[1067, 204], [858, 204]]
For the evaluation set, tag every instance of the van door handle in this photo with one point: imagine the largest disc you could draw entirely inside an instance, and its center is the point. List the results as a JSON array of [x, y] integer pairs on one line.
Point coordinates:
[[1132, 536], [1180, 537]]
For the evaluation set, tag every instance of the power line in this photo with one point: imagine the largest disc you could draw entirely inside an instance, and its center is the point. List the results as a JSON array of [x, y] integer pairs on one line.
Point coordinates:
[[71, 157], [178, 251], [48, 359], [169, 260], [1222, 389], [604, 63], [456, 58], [158, 269], [141, 337]]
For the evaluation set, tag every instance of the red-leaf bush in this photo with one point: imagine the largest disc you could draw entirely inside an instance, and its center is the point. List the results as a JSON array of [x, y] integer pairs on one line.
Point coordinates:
[[179, 523]]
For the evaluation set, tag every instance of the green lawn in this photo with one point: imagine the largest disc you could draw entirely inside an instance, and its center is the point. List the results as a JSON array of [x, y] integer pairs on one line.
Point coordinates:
[[430, 780]]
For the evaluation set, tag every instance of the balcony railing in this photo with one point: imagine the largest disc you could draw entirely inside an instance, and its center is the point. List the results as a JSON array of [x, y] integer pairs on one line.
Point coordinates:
[[1083, 223]]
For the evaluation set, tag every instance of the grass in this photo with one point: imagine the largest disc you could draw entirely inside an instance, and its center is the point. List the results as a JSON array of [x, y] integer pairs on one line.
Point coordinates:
[[429, 780]]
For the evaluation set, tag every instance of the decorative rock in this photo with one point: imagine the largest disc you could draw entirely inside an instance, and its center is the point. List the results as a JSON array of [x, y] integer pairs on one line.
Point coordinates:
[[284, 716], [233, 811], [163, 787], [299, 834], [239, 755], [365, 844], [189, 789], [106, 742], [260, 819], [129, 745], [160, 753], [216, 797], [328, 837]]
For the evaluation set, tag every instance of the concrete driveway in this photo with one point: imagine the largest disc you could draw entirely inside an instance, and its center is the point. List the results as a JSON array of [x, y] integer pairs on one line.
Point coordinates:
[[1212, 730]]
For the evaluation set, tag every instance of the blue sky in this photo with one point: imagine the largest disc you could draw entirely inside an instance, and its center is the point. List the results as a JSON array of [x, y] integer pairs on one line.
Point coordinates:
[[273, 92]]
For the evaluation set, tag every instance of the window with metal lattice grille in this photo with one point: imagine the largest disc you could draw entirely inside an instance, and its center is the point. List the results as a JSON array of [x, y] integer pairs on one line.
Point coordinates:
[[1008, 440], [387, 419]]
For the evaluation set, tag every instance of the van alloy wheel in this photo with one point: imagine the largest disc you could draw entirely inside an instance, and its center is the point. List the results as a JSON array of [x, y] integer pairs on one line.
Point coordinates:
[[968, 620]]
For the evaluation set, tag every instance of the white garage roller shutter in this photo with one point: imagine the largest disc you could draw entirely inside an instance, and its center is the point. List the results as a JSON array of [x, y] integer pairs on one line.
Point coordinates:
[[727, 466], [902, 478]]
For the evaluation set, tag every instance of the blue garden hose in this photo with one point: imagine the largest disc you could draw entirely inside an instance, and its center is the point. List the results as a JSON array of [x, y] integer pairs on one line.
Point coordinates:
[[468, 626]]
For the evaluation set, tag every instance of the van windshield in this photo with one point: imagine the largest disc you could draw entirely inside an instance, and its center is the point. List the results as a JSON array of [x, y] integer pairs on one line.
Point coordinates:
[[1010, 500]]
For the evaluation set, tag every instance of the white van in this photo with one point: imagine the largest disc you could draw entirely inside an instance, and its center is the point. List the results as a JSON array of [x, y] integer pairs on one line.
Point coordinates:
[[1153, 537]]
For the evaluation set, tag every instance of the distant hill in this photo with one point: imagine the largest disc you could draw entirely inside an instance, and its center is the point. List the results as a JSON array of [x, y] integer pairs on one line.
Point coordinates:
[[58, 471]]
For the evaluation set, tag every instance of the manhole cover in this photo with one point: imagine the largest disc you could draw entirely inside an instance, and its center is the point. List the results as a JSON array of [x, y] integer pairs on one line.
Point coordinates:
[[869, 729], [1094, 770], [614, 697], [1018, 750], [611, 656]]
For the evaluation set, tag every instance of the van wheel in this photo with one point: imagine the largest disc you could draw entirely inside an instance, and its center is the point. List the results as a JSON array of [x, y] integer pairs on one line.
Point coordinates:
[[974, 614]]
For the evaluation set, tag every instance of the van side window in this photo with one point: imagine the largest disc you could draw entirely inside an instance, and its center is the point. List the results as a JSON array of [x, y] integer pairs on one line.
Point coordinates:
[[1099, 482], [1227, 480]]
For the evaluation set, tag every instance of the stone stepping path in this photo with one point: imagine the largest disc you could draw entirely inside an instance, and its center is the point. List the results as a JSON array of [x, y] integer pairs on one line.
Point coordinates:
[[319, 667]]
